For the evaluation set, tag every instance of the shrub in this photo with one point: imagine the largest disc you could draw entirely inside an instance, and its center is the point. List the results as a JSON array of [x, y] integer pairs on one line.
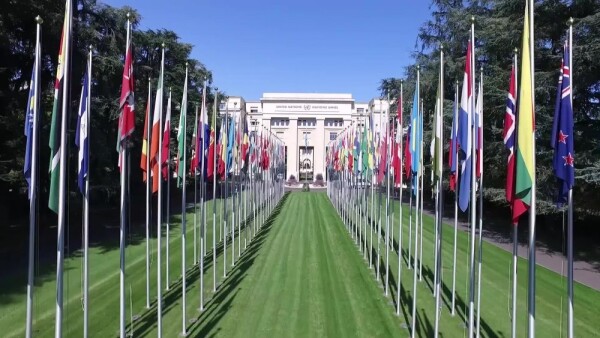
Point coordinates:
[[319, 177], [305, 187]]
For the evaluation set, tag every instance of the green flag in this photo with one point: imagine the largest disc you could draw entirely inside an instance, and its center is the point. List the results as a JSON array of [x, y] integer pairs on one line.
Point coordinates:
[[181, 134]]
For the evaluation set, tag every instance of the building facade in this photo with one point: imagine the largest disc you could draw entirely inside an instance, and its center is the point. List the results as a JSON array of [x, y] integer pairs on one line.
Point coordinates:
[[306, 123]]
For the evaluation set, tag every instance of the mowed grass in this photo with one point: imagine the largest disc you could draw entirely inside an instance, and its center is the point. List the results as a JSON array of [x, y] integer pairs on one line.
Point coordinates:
[[301, 276], [551, 302]]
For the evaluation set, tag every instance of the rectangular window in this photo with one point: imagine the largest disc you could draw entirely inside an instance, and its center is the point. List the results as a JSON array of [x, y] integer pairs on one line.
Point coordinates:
[[332, 136]]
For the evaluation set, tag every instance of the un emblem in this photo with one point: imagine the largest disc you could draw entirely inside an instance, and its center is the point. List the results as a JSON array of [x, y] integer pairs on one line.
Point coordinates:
[[307, 107]]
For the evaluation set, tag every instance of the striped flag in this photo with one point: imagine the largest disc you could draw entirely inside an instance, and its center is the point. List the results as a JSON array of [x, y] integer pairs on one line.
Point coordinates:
[[479, 130], [524, 151], [144, 157], [465, 121], [562, 133], [155, 138], [509, 135], [81, 134], [57, 113], [181, 131], [453, 149], [166, 149], [127, 102]]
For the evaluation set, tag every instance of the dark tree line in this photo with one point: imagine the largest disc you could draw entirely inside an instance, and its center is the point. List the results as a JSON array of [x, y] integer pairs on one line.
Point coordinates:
[[498, 31], [104, 28]]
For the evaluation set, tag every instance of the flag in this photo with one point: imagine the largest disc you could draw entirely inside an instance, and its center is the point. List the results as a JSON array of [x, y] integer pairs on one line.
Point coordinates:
[[156, 127], [31, 115], [210, 170], [204, 135], [453, 149], [356, 150], [57, 113], [465, 121], [562, 133], [407, 154], [81, 134], [509, 135], [524, 152], [437, 136], [166, 149], [230, 144], [479, 130], [416, 136], [195, 141], [181, 131], [144, 157], [127, 101], [223, 150], [245, 143]]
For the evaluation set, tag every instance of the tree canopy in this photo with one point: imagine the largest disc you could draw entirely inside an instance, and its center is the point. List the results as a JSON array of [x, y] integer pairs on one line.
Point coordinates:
[[498, 31], [104, 28]]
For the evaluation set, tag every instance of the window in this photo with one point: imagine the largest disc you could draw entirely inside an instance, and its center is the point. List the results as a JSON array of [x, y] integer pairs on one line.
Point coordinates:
[[253, 110], [360, 110], [332, 136]]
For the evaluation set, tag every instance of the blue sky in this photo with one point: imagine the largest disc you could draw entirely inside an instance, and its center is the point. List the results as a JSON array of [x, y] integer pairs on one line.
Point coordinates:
[[330, 46]]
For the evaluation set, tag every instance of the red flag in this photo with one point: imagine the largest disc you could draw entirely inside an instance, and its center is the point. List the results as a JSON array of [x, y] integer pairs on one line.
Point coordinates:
[[166, 150], [127, 101], [509, 135], [145, 149], [210, 170], [407, 155]]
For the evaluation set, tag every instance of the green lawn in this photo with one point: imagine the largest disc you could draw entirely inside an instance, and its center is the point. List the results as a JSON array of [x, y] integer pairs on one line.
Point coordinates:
[[301, 276]]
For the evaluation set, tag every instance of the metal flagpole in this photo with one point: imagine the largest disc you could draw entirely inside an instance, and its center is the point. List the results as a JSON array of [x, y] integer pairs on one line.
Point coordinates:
[[570, 324], [479, 220], [86, 202], [515, 230], [387, 203], [379, 196], [33, 189], [159, 208], [414, 305], [421, 167], [473, 186], [204, 119], [168, 218], [400, 220], [148, 194], [439, 199], [214, 195], [457, 173], [225, 200], [183, 126], [60, 257]]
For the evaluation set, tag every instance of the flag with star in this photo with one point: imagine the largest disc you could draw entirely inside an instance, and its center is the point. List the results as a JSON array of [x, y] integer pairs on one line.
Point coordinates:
[[562, 132]]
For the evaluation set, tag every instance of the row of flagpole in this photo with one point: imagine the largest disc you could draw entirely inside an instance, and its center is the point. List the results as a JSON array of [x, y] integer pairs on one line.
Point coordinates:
[[467, 139], [263, 155]]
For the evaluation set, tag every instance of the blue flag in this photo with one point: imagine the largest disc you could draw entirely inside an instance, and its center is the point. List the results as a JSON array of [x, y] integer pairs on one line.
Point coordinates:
[[562, 132], [30, 116], [230, 143], [81, 135], [465, 134], [416, 136]]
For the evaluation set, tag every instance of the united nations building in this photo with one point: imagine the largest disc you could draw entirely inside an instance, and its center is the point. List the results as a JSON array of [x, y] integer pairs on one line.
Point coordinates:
[[306, 123]]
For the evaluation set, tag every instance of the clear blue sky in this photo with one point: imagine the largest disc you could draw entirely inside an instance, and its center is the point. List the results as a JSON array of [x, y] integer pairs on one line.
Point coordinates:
[[258, 46]]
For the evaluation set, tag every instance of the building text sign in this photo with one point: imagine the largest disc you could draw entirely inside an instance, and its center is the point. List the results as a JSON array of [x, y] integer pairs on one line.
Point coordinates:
[[306, 107]]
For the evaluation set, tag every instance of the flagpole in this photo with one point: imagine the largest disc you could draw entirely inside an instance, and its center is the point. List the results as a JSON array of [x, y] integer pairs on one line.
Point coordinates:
[[532, 210], [400, 221], [148, 195], [515, 230], [86, 203], [168, 218], [226, 136], [414, 305], [214, 195], [195, 173], [473, 197], [388, 152], [60, 258], [457, 173], [422, 169], [570, 324], [182, 130], [204, 115], [479, 220], [439, 128], [159, 202], [33, 180]]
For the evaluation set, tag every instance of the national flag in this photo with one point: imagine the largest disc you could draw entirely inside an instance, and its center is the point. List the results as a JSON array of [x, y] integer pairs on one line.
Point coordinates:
[[194, 159], [407, 154], [210, 170], [437, 136], [57, 112], [144, 157], [230, 144], [465, 121], [245, 143], [479, 130], [416, 136], [204, 139], [81, 134], [181, 131], [525, 152], [127, 101], [156, 128], [31, 119], [223, 150], [166, 149], [356, 150], [453, 148], [562, 133], [509, 135]]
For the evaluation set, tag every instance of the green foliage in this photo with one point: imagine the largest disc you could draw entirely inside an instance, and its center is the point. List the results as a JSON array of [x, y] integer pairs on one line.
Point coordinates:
[[104, 28], [498, 31]]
